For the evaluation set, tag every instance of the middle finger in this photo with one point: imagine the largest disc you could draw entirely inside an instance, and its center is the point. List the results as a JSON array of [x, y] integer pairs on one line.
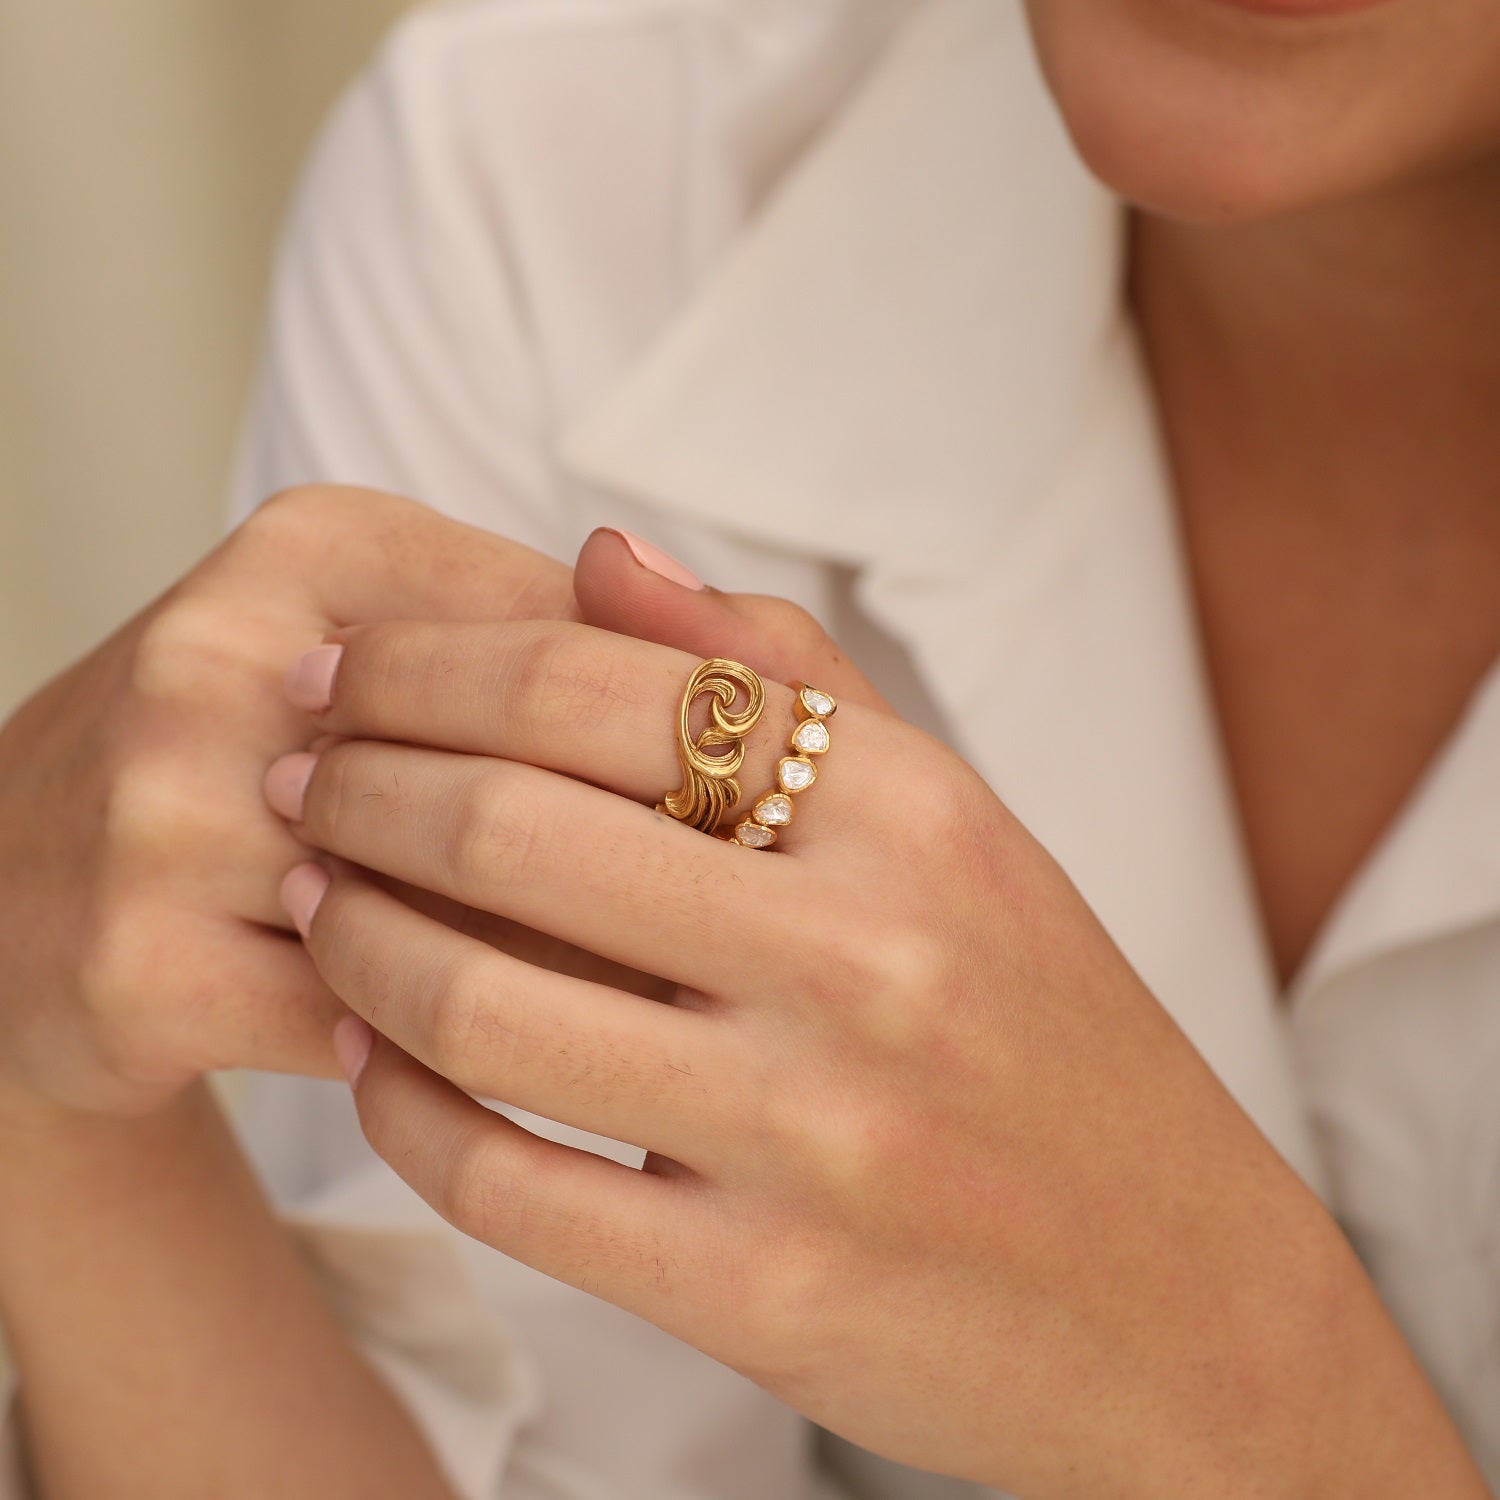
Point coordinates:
[[586, 866]]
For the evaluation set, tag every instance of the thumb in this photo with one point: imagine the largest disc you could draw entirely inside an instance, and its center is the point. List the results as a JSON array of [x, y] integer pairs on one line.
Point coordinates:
[[628, 586]]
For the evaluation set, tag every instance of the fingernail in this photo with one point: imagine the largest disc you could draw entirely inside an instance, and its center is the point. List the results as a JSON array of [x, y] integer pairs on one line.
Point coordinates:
[[301, 892], [657, 561], [352, 1040], [286, 781], [309, 679]]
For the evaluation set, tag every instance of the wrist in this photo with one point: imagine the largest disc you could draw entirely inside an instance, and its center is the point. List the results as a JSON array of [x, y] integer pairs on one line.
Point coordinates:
[[48, 1148], [1355, 1414], [70, 1180]]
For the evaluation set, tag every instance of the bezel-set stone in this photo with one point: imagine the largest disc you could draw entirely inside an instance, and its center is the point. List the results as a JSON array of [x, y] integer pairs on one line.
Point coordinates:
[[795, 773], [819, 705], [774, 810], [810, 737]]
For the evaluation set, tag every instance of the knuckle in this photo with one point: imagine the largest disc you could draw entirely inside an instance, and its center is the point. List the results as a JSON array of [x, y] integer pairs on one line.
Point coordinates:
[[181, 651], [562, 677], [781, 1296], [790, 627], [147, 812], [301, 518], [469, 1033], [541, 593], [473, 1191], [907, 964], [844, 1128], [494, 836], [140, 1044], [127, 992], [890, 976], [781, 1121], [860, 953], [108, 961], [530, 670], [859, 1140], [942, 807], [298, 509], [910, 992]]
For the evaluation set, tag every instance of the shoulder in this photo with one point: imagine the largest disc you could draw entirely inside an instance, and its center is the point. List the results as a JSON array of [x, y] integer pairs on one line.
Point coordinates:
[[533, 90], [588, 139]]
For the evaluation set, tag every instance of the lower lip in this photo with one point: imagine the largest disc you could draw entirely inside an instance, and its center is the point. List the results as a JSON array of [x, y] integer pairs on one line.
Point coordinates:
[[1308, 8]]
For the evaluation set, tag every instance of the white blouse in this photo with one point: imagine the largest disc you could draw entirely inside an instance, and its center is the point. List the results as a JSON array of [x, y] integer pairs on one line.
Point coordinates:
[[815, 294]]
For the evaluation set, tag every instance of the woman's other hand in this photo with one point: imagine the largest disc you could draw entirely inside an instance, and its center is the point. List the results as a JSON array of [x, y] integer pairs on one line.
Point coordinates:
[[141, 943]]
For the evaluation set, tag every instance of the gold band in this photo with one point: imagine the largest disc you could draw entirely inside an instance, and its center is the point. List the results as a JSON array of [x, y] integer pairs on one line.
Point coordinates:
[[794, 773], [709, 790]]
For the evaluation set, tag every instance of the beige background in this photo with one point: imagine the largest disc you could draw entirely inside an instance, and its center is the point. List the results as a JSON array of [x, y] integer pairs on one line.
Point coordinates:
[[146, 149]]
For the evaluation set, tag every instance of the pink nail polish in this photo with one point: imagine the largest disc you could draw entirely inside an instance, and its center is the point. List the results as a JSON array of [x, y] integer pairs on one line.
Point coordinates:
[[309, 679], [286, 781], [301, 893], [352, 1040], [657, 561]]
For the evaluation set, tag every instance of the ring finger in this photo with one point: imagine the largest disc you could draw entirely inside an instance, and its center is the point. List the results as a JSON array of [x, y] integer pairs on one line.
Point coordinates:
[[579, 863]]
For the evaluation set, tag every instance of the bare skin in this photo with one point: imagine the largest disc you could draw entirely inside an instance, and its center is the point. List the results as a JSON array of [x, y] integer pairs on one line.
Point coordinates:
[[1328, 385], [1317, 227]]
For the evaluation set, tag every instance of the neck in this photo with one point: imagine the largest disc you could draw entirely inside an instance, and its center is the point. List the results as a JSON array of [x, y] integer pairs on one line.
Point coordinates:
[[1351, 350]]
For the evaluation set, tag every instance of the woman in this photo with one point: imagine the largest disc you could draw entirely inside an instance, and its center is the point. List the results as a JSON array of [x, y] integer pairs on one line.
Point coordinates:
[[817, 296]]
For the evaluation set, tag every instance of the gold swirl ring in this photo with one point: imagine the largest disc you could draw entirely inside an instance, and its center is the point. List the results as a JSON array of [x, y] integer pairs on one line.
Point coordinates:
[[709, 790], [794, 773]]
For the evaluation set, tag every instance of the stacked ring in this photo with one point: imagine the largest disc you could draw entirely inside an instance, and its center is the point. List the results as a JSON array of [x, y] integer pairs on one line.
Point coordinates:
[[794, 773], [709, 791]]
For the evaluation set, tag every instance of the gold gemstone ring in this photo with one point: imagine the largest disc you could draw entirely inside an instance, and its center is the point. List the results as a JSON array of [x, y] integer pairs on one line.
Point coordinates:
[[794, 773], [709, 791]]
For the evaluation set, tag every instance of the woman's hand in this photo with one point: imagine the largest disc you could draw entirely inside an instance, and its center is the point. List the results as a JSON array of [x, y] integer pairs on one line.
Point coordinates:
[[140, 940], [926, 1158]]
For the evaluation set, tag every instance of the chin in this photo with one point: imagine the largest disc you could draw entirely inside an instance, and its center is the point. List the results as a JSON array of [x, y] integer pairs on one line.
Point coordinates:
[[1220, 113]]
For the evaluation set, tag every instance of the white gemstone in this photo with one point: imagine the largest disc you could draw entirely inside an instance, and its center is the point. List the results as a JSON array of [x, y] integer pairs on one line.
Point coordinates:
[[775, 810], [811, 737], [753, 836], [817, 703], [795, 775]]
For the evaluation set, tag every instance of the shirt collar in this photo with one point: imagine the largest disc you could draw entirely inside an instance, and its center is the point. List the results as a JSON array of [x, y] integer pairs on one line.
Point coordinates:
[[1437, 869], [941, 223]]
